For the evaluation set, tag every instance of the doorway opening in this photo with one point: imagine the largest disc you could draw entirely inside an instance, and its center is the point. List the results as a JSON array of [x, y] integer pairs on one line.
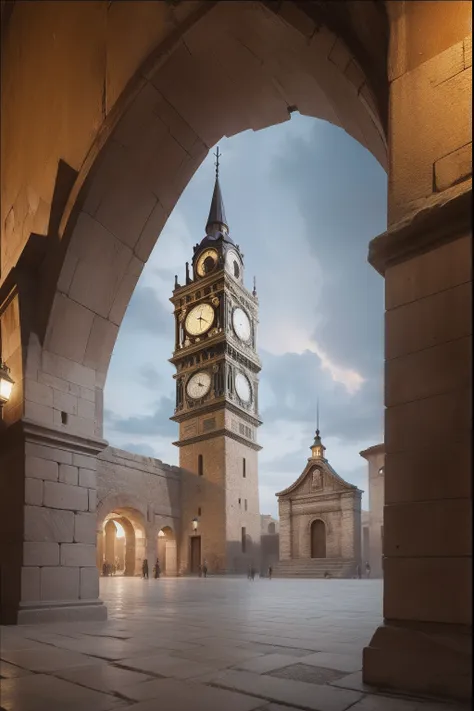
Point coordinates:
[[166, 551], [318, 539], [121, 544], [195, 557]]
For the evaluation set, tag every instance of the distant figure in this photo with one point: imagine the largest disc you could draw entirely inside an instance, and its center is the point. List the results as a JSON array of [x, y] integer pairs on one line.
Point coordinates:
[[204, 569], [327, 574], [252, 573], [270, 572], [157, 569], [104, 568], [358, 573], [249, 573], [114, 569], [367, 569], [145, 568]]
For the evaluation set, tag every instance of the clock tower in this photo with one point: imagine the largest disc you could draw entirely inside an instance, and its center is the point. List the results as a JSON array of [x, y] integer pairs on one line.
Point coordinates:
[[216, 378]]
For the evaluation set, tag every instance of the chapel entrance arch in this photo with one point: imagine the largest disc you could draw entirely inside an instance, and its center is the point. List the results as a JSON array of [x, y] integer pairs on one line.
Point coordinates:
[[121, 544], [318, 539], [167, 551]]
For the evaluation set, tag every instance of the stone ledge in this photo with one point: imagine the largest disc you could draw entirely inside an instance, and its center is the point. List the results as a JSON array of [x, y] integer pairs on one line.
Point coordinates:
[[74, 611], [441, 219], [55, 436]]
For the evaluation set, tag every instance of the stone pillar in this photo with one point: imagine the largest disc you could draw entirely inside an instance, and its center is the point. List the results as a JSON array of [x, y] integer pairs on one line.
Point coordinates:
[[284, 506], [424, 645], [100, 549], [110, 536], [49, 568]]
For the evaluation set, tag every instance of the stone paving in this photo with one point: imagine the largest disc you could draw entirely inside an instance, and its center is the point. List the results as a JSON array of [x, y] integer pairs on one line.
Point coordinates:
[[215, 644]]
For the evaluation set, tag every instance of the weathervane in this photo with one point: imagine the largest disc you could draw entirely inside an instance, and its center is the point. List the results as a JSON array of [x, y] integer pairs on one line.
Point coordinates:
[[218, 155]]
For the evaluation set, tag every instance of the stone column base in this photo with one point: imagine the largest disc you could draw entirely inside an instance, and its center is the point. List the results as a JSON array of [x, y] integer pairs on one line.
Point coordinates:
[[74, 611], [432, 660]]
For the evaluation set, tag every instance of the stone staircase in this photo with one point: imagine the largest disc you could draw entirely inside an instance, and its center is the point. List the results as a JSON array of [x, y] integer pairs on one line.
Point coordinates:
[[315, 568]]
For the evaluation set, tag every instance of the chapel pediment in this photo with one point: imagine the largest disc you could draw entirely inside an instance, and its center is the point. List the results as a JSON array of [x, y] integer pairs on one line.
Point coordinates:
[[317, 478]]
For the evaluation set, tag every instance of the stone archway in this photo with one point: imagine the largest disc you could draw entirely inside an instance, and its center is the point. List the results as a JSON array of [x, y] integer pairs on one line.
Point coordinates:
[[121, 541], [318, 539], [167, 551], [70, 260]]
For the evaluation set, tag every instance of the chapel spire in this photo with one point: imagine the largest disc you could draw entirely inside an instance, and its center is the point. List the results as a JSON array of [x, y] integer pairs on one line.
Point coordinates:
[[317, 448], [216, 222]]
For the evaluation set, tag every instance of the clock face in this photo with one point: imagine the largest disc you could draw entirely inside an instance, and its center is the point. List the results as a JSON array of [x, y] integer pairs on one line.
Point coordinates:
[[232, 264], [242, 387], [199, 319], [241, 324], [207, 262], [198, 385]]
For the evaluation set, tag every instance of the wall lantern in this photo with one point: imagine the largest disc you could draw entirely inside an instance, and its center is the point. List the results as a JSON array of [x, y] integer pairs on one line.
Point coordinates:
[[6, 384], [195, 524]]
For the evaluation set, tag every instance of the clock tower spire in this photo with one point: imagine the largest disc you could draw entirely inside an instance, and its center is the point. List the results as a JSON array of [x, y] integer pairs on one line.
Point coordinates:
[[217, 368]]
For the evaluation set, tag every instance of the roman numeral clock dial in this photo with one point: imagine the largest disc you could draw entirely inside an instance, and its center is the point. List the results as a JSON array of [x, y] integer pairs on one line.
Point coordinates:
[[199, 320]]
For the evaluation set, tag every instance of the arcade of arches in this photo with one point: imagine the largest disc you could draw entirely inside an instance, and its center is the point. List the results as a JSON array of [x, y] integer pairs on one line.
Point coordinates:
[[108, 108]]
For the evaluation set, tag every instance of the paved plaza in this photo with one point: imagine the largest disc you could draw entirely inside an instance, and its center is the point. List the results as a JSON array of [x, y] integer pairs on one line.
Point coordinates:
[[215, 644]]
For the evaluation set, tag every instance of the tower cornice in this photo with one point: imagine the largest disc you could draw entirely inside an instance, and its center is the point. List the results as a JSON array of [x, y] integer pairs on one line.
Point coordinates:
[[217, 404], [218, 433]]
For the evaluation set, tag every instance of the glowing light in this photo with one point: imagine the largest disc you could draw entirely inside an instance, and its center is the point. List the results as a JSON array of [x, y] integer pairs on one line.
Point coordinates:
[[119, 529]]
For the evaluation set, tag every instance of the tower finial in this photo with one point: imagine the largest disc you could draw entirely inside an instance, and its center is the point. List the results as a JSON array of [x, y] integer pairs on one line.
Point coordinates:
[[218, 155], [254, 292], [216, 222], [317, 415]]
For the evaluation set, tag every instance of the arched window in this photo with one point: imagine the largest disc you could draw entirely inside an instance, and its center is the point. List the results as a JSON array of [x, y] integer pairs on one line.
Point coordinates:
[[200, 465]]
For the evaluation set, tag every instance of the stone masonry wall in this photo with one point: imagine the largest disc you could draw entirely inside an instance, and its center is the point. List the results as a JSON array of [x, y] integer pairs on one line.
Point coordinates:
[[145, 488]]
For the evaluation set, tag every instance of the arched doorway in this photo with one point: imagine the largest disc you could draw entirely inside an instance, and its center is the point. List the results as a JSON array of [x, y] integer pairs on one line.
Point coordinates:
[[166, 551], [121, 544], [318, 539]]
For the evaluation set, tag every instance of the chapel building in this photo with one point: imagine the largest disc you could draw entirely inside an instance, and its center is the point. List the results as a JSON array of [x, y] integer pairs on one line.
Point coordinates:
[[320, 522]]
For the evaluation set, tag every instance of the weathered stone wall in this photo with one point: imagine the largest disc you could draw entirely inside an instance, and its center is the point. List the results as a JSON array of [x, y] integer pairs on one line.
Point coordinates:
[[206, 493], [142, 489], [228, 501]]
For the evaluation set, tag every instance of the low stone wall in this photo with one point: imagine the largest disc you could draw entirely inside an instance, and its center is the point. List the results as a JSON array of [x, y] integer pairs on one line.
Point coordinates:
[[143, 490]]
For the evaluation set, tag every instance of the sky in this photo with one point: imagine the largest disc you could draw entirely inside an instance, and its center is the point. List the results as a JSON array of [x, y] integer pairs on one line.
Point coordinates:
[[302, 199]]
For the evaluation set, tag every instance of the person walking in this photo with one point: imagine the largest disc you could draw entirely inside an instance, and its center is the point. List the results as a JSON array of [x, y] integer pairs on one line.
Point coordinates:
[[270, 572], [157, 569], [358, 573], [252, 573], [367, 569], [145, 568], [204, 569]]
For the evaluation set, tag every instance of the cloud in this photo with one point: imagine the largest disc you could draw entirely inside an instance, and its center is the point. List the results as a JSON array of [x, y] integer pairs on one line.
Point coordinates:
[[149, 376], [341, 193], [158, 423], [147, 313], [298, 381]]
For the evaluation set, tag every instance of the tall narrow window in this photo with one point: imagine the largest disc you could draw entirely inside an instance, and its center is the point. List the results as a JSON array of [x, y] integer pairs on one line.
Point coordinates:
[[244, 468], [200, 465], [244, 539], [246, 504]]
